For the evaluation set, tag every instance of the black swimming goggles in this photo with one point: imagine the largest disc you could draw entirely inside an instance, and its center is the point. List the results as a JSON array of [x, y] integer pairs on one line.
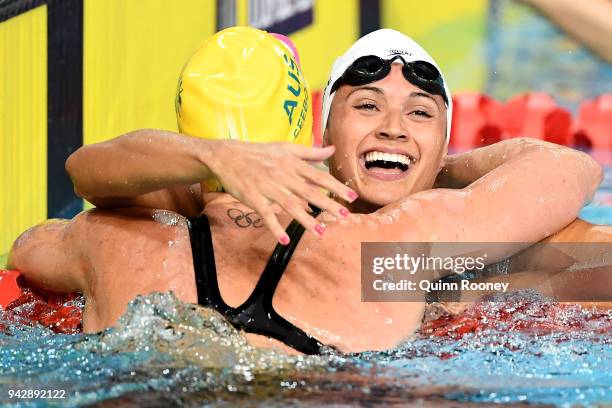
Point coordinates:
[[371, 68]]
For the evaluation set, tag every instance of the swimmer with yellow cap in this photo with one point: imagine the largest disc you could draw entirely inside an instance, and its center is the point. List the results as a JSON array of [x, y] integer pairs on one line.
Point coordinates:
[[240, 85], [245, 84]]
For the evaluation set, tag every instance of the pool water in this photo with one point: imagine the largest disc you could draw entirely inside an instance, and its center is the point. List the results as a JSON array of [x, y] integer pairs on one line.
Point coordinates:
[[521, 348]]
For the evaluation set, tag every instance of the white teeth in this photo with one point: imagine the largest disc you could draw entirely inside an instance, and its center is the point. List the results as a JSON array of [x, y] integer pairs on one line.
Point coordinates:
[[393, 157]]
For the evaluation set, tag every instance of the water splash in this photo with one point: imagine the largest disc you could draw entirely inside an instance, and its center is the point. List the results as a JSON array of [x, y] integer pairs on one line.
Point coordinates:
[[511, 349], [160, 344], [168, 218]]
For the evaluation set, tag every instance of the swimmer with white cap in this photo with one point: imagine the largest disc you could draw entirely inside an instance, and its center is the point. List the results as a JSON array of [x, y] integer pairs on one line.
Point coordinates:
[[387, 112]]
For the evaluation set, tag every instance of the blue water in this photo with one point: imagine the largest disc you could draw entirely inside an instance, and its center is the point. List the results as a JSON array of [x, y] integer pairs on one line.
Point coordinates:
[[551, 61], [166, 353]]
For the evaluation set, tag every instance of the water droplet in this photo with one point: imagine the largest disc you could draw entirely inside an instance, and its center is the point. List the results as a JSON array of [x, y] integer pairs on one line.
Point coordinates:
[[386, 219]]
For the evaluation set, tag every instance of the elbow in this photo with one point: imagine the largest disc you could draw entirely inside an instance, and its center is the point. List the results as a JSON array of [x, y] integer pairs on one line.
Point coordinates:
[[11, 260], [14, 259], [596, 170], [72, 165], [81, 167], [587, 170], [74, 162], [595, 175], [590, 170], [16, 255]]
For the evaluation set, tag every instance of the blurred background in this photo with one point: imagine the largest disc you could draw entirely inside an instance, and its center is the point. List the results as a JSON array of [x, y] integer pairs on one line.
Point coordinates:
[[74, 72]]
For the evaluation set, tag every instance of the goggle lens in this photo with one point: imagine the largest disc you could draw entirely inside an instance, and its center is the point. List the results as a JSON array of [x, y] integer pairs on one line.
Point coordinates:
[[371, 68]]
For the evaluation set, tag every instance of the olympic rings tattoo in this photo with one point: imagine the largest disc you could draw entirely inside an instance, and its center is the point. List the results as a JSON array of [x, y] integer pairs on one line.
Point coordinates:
[[245, 220]]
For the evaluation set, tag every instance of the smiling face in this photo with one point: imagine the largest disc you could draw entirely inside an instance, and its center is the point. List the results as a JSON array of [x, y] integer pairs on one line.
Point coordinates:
[[390, 139]]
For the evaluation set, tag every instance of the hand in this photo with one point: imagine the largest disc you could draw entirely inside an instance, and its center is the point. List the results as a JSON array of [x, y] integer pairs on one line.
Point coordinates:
[[266, 175]]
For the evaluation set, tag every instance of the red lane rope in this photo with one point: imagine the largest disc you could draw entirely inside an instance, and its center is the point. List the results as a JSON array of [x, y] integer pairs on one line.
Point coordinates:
[[60, 312]]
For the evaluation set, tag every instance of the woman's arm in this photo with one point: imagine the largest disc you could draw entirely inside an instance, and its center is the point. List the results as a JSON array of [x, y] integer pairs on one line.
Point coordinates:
[[590, 21], [138, 163], [154, 169], [49, 256], [462, 169], [530, 190], [145, 168]]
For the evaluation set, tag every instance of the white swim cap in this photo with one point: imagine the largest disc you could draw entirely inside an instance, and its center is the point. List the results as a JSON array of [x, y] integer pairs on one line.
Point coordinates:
[[386, 44]]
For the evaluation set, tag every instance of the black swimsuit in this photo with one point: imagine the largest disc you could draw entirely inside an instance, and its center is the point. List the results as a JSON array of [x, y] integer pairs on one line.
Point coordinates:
[[256, 315]]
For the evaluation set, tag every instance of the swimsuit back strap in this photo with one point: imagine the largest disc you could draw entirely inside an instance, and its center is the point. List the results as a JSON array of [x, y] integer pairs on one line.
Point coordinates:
[[257, 314], [277, 263], [255, 318], [205, 266]]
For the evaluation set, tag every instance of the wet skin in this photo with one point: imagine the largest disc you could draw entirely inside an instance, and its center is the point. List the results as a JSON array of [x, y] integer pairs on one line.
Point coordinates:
[[376, 117], [126, 252], [112, 256]]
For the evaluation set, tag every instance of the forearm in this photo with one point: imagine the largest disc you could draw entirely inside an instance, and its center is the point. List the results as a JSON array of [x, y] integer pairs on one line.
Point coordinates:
[[538, 189], [140, 162], [461, 170], [588, 21], [527, 173], [546, 172]]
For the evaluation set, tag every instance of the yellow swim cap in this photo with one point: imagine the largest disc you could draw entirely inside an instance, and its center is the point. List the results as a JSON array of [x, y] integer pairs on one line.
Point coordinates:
[[244, 84]]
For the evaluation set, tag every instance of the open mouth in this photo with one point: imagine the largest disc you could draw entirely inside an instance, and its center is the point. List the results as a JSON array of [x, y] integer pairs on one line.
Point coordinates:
[[385, 166]]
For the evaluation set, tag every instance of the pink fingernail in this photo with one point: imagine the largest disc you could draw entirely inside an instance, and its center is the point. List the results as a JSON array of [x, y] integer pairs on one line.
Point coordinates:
[[352, 195], [319, 228], [344, 212], [284, 240]]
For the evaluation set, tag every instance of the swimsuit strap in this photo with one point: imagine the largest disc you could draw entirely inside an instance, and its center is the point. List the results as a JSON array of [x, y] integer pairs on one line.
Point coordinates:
[[204, 258], [277, 263], [256, 314]]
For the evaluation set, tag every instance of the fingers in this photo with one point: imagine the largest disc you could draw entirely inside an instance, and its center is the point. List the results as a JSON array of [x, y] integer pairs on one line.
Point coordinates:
[[316, 197], [266, 211], [278, 178], [296, 207], [312, 153], [328, 182], [276, 209], [318, 177]]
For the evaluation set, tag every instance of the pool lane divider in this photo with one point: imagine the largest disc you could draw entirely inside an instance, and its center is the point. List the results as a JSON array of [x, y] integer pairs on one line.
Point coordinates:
[[13, 8], [480, 120], [64, 105], [64, 102], [9, 289], [369, 16], [23, 304]]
